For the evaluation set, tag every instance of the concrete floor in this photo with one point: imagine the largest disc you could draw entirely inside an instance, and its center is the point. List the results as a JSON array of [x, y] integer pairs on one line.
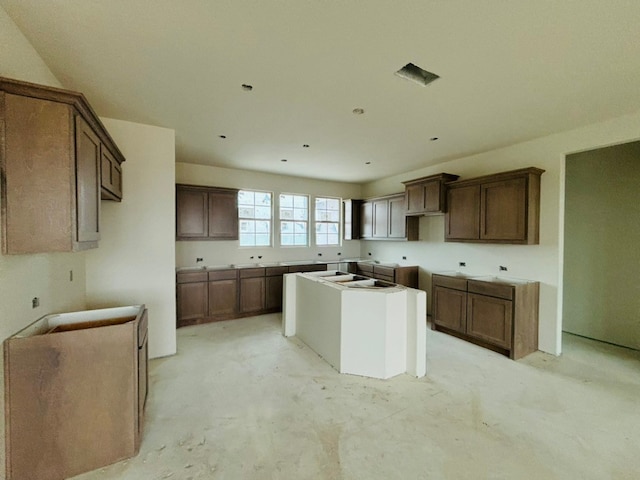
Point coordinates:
[[240, 401]]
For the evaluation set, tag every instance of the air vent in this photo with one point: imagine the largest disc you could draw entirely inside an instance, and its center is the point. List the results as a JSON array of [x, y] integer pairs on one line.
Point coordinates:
[[416, 74]]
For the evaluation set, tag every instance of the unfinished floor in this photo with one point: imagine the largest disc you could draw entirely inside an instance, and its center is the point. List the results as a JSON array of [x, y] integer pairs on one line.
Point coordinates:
[[240, 401]]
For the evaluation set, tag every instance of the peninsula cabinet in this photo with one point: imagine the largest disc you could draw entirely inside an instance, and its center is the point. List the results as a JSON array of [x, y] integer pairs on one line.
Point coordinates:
[[499, 208], [206, 213], [384, 218], [51, 163], [495, 312], [427, 195]]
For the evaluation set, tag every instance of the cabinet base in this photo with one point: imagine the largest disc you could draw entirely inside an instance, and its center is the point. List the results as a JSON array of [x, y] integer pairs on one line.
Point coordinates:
[[481, 343], [222, 318]]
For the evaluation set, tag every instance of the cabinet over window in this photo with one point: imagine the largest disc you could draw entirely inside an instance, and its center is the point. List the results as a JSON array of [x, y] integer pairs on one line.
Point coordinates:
[[51, 162], [499, 208]]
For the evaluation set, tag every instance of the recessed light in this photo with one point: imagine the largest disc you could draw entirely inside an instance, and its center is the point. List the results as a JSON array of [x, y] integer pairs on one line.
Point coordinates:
[[433, 139], [222, 136], [246, 87], [417, 75], [367, 163], [283, 160], [358, 111], [305, 146]]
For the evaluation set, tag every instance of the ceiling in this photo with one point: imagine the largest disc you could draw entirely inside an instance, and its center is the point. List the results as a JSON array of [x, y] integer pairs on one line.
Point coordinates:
[[509, 71]]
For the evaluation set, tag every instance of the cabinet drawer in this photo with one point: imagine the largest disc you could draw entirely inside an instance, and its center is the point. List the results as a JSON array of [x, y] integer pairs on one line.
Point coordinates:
[[499, 290], [366, 268], [251, 272], [223, 275], [191, 277], [275, 271], [457, 283], [386, 278], [384, 271], [312, 267]]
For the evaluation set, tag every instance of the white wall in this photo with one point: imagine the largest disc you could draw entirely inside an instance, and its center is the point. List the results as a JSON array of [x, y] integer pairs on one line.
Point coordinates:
[[222, 252], [135, 261], [541, 262]]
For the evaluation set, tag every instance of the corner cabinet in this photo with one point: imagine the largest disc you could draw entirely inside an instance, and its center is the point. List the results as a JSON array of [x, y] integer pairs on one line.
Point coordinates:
[[494, 312], [500, 208], [384, 218], [427, 195], [51, 163], [206, 213]]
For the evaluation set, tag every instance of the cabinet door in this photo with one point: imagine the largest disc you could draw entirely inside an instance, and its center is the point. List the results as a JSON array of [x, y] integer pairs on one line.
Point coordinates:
[[433, 198], [351, 218], [192, 218], [504, 210], [223, 297], [223, 215], [87, 183], [490, 319], [366, 220], [450, 308], [397, 218], [192, 301], [380, 218], [252, 294], [274, 292], [463, 214], [110, 176], [415, 199]]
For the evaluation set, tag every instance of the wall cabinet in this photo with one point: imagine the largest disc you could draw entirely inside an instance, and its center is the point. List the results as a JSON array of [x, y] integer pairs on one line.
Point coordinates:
[[500, 208], [384, 219], [110, 176], [406, 275], [351, 219], [206, 213], [427, 195], [498, 313], [50, 163]]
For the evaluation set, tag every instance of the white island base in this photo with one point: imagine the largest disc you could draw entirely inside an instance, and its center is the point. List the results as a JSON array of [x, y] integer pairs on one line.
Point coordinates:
[[357, 326]]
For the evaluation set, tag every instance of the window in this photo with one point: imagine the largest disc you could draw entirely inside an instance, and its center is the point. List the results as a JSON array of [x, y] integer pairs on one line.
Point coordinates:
[[294, 220], [254, 212], [327, 221]]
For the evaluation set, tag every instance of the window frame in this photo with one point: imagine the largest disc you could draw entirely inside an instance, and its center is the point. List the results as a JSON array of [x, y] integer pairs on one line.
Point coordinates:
[[255, 219], [338, 223], [293, 220]]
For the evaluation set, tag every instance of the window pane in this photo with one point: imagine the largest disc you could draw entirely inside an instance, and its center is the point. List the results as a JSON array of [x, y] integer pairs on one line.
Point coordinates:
[[321, 239], [262, 227], [321, 228], [333, 216], [247, 226], [286, 239], [286, 227], [286, 214], [299, 214], [263, 212], [263, 199], [300, 239], [300, 201], [254, 205], [333, 204], [286, 201], [246, 198], [300, 227], [333, 228], [247, 239], [321, 203], [333, 239], [246, 212]]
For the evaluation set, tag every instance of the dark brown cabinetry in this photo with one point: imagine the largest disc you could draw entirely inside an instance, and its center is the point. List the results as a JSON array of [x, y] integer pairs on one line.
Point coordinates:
[[351, 216], [273, 287], [111, 176], [206, 213], [500, 208], [407, 276], [384, 219], [223, 294], [501, 314], [50, 164], [252, 290], [427, 195], [192, 296]]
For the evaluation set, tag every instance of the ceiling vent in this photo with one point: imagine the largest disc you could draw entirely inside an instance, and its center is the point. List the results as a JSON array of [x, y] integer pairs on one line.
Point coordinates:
[[416, 74]]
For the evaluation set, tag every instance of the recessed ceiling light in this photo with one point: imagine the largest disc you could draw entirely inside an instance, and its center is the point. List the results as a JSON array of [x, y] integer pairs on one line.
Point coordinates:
[[222, 136], [283, 160], [433, 139], [367, 163], [417, 75], [246, 87], [305, 146], [358, 111]]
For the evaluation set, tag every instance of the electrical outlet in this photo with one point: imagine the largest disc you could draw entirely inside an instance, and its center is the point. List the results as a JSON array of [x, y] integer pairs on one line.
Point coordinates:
[[71, 275], [462, 264], [404, 258], [369, 253], [503, 269], [198, 259], [319, 254], [35, 303]]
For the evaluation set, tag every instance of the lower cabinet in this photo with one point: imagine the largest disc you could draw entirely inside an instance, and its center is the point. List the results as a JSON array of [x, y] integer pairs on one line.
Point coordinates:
[[407, 276], [222, 294], [495, 312]]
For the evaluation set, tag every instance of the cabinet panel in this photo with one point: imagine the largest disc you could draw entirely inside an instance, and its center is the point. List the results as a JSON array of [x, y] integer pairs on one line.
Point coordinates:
[[252, 294], [110, 176], [397, 218], [352, 218], [192, 220], [450, 308], [504, 206], [425, 196], [463, 216], [223, 215], [87, 182], [366, 220], [274, 292], [415, 197], [192, 301], [380, 218], [490, 319], [223, 297]]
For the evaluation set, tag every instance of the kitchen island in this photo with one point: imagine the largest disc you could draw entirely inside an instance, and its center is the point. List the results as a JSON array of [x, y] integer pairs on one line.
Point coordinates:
[[359, 325]]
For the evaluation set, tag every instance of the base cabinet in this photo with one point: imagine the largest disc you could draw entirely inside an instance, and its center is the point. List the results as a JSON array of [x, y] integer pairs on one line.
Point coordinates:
[[407, 276], [495, 312], [192, 297]]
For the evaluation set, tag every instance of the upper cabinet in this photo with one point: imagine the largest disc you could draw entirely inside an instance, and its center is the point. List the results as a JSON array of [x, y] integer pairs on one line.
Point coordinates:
[[427, 195], [384, 219], [499, 208], [351, 216], [50, 166], [206, 213]]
